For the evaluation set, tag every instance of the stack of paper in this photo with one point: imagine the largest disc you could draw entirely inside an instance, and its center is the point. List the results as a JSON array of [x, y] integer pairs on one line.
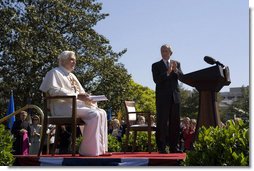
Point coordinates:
[[97, 98]]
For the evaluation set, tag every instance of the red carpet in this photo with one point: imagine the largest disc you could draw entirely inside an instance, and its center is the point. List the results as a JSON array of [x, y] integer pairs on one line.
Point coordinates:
[[117, 159]]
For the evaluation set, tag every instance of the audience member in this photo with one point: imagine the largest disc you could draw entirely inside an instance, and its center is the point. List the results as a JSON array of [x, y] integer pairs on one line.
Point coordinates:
[[35, 135], [21, 131]]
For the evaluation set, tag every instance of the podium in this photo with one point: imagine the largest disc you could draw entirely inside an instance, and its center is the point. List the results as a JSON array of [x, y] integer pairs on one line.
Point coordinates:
[[208, 82]]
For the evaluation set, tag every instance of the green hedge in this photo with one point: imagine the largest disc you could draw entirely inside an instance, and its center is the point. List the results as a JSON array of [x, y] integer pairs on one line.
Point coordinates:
[[227, 146], [141, 142], [115, 146], [6, 141]]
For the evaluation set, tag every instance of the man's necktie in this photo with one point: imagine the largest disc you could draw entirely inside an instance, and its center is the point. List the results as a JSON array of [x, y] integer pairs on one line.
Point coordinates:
[[167, 64]]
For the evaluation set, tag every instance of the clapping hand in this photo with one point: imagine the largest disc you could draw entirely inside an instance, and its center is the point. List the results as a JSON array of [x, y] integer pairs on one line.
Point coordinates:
[[174, 65]]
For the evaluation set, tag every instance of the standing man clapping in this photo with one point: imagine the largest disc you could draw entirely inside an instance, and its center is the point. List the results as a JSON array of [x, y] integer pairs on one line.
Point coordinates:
[[166, 73]]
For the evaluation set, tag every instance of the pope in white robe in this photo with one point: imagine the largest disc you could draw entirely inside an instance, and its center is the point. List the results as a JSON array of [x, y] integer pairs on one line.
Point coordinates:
[[60, 81]]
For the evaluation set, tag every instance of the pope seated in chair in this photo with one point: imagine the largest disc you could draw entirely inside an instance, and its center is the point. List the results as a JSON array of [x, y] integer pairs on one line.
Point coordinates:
[[60, 82]]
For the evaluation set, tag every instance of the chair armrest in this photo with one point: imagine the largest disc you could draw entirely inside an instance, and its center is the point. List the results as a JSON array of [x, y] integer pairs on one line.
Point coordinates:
[[139, 113]]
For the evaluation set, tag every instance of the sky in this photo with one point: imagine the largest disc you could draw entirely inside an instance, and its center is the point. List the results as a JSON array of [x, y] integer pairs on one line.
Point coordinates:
[[193, 28]]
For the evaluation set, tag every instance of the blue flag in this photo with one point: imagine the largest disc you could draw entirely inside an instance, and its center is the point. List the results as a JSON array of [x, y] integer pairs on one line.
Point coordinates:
[[10, 110]]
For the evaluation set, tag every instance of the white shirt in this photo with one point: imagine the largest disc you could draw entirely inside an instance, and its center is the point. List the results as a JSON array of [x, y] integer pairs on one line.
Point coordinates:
[[165, 62]]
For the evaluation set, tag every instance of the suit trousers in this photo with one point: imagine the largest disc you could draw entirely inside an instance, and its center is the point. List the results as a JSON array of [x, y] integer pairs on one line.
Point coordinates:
[[168, 124]]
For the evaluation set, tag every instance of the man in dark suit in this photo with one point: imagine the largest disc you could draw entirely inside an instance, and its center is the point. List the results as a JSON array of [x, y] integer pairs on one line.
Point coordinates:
[[166, 73]]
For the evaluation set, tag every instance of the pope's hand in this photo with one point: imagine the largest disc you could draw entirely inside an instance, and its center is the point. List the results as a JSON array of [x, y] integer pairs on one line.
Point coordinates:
[[85, 98]]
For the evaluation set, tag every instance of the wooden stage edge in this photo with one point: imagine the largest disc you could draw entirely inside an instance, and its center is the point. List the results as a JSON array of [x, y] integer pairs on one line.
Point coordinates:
[[117, 159]]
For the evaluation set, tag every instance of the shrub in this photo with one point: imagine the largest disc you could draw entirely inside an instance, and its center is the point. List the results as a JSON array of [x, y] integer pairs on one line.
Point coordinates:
[[113, 144], [227, 146], [141, 142], [6, 141]]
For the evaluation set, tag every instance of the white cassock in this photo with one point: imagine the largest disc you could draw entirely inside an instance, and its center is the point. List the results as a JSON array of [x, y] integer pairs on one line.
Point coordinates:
[[59, 81]]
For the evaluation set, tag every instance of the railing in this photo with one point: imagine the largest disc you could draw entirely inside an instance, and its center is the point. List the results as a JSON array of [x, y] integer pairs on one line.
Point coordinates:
[[28, 106]]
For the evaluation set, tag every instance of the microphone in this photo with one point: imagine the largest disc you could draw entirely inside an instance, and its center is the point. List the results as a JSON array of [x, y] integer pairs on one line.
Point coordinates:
[[209, 60], [212, 61]]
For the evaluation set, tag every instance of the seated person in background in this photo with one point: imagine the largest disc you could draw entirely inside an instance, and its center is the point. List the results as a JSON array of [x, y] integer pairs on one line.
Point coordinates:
[[35, 135], [60, 81], [21, 131]]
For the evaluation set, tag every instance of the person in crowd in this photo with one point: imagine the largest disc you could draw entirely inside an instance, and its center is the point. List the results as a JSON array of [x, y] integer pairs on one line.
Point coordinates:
[[35, 135], [184, 128], [185, 123], [61, 81], [110, 126], [116, 129], [65, 140], [21, 131], [189, 133], [193, 124], [153, 123], [50, 139], [166, 74], [123, 127], [141, 120]]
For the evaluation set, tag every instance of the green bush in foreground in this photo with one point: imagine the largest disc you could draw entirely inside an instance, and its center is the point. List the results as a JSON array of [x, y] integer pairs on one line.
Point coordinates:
[[227, 146], [115, 146], [6, 141], [141, 142]]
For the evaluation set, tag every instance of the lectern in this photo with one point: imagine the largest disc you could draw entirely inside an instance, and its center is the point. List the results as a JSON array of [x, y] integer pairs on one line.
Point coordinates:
[[208, 82]]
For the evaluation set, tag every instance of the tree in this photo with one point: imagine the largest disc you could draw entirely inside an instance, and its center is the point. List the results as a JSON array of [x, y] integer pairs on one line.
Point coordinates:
[[240, 107], [143, 96], [189, 103], [114, 83], [33, 33]]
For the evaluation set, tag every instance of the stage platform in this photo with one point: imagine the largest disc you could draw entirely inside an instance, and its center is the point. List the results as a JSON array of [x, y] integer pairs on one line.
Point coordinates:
[[117, 159]]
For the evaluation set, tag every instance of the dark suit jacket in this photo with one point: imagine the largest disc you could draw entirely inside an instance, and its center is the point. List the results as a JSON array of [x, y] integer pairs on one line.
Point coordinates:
[[166, 86]]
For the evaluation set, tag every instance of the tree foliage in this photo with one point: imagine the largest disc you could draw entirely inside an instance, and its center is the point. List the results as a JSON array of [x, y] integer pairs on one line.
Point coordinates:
[[33, 33], [240, 107], [189, 103], [143, 96]]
